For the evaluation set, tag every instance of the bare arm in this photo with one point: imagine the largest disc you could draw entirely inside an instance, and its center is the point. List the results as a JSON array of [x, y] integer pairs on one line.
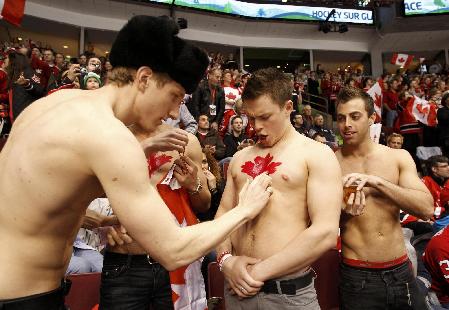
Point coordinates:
[[324, 196], [201, 201], [410, 194], [123, 174]]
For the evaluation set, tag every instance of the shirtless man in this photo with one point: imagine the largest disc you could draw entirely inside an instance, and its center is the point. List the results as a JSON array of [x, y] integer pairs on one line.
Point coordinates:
[[72, 146], [127, 268], [375, 271], [268, 259]]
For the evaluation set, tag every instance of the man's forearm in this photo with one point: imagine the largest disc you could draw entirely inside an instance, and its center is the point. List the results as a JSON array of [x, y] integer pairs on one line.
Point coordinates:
[[298, 254], [412, 201], [198, 240]]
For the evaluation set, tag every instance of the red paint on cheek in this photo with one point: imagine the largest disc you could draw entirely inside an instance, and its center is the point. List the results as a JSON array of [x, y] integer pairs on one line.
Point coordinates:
[[155, 162], [260, 165]]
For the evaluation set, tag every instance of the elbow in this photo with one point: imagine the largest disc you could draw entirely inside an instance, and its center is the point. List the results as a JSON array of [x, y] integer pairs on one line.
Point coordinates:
[[428, 211], [329, 238], [172, 262]]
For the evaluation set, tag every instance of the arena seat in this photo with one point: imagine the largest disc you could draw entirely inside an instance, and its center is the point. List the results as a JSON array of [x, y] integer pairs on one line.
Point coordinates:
[[326, 283], [85, 291]]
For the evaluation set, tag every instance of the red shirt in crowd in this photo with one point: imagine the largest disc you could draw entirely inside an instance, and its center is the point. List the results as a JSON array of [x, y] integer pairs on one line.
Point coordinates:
[[391, 99], [42, 69], [435, 189], [436, 260]]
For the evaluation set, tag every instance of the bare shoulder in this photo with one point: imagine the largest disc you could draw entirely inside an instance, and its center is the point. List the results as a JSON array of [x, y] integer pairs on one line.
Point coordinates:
[[316, 151], [400, 156]]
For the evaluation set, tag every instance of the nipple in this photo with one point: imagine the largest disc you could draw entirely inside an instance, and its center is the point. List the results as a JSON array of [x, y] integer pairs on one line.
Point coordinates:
[[285, 177]]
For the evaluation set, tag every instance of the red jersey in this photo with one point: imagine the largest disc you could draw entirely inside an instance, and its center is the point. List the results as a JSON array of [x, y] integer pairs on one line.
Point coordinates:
[[435, 189], [436, 260], [391, 99]]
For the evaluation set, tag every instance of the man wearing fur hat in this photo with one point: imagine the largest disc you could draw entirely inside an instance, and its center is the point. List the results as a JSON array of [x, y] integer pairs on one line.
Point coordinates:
[[73, 146]]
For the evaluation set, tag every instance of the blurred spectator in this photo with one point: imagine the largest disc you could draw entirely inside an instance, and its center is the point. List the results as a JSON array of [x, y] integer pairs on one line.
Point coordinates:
[[82, 60], [436, 261], [318, 127], [209, 138], [23, 82], [236, 140], [313, 84], [92, 81], [407, 125], [231, 64], [225, 126], [185, 120], [443, 124], [395, 141], [60, 62], [298, 123], [231, 93], [307, 117], [390, 102], [215, 183], [209, 99]]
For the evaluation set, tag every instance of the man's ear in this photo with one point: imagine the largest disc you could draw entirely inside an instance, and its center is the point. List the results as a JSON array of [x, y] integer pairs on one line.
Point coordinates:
[[143, 77]]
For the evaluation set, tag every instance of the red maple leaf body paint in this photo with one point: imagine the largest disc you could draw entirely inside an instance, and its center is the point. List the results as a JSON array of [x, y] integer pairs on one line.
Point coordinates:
[[260, 165], [155, 162]]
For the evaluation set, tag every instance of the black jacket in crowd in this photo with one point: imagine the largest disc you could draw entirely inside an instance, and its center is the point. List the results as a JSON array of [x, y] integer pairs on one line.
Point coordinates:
[[202, 99], [23, 96]]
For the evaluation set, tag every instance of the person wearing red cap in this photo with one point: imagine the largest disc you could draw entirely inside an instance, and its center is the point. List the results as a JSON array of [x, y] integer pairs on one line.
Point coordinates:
[[74, 145]]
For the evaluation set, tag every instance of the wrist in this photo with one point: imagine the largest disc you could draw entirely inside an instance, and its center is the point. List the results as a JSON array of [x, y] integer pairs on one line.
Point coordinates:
[[197, 187]]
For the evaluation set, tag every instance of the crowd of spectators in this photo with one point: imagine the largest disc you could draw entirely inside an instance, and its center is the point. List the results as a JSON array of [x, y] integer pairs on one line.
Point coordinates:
[[214, 112]]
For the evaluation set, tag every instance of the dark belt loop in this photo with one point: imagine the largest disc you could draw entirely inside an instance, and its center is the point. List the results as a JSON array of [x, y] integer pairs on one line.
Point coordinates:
[[128, 261], [66, 285]]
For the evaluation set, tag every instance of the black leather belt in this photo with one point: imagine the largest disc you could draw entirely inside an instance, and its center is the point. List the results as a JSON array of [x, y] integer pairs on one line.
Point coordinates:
[[129, 259], [288, 287]]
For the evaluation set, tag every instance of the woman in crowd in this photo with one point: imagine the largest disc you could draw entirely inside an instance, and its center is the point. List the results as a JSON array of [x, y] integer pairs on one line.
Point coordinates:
[[443, 123]]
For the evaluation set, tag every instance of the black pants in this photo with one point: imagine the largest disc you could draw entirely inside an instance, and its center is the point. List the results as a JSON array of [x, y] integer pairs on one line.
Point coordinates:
[[53, 300], [373, 289], [131, 282]]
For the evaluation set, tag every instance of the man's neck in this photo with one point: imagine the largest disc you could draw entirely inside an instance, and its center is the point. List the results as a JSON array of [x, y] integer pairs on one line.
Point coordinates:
[[236, 133], [360, 150], [226, 84], [121, 100], [203, 131]]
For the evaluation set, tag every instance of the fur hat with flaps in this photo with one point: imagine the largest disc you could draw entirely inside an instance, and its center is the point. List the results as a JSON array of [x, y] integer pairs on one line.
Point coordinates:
[[153, 42]]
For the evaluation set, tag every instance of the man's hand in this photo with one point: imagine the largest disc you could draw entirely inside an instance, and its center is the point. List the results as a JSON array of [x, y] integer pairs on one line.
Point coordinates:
[[235, 270], [73, 72], [211, 148], [361, 180], [355, 205], [22, 81], [214, 125], [117, 235], [92, 220], [254, 195], [211, 179], [186, 172], [172, 140]]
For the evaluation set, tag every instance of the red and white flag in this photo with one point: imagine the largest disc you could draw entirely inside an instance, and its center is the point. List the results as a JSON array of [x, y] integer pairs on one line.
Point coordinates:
[[12, 11], [424, 112], [376, 93], [402, 60]]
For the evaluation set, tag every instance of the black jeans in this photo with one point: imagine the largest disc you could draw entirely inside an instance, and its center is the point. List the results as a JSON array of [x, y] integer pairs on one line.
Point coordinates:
[[373, 289], [131, 282], [53, 300]]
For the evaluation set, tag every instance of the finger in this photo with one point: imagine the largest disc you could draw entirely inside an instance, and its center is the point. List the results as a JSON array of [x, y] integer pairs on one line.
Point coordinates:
[[362, 184], [356, 203], [349, 203], [362, 202], [245, 290], [115, 236], [181, 135], [123, 229], [188, 161], [111, 241], [178, 171]]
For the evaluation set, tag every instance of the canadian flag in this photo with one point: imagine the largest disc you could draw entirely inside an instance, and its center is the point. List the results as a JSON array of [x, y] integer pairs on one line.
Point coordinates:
[[424, 112], [376, 93], [12, 11], [402, 60]]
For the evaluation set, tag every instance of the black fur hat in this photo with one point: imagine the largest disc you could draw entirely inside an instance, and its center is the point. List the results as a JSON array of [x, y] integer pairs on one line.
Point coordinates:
[[153, 42]]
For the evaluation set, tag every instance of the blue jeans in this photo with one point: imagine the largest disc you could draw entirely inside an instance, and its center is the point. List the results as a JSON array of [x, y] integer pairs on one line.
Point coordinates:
[[372, 289], [130, 282], [84, 261]]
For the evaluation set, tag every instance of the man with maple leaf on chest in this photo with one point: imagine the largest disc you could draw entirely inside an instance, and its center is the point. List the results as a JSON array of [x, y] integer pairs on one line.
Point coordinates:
[[266, 262]]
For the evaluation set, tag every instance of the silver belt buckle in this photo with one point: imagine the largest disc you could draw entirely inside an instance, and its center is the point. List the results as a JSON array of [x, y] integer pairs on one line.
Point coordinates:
[[150, 260]]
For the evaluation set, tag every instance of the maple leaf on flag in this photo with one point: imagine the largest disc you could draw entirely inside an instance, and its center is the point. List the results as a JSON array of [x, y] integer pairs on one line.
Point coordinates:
[[378, 99], [401, 59], [422, 110], [260, 165], [231, 96], [155, 162]]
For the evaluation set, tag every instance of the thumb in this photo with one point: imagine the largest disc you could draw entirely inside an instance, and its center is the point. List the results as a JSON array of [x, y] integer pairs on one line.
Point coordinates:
[[253, 261]]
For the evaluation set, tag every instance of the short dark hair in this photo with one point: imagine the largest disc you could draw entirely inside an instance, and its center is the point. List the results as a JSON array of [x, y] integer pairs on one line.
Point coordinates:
[[348, 93], [51, 50], [270, 82], [433, 161], [234, 118]]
